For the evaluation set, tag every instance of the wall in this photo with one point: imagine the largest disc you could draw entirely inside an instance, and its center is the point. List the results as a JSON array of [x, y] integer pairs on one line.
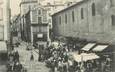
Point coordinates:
[[97, 28], [34, 15], [4, 21]]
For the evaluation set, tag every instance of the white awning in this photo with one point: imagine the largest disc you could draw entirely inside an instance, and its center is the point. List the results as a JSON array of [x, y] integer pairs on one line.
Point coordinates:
[[88, 46], [84, 56], [3, 46], [100, 47]]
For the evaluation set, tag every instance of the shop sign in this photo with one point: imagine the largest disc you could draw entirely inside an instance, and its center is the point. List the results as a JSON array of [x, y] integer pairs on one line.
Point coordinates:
[[39, 35]]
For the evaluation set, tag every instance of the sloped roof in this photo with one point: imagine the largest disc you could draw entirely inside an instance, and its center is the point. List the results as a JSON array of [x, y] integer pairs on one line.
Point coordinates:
[[73, 5]]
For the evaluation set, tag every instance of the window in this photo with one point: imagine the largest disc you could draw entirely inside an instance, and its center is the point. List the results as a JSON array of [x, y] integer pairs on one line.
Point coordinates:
[[44, 12], [65, 18], [39, 12], [113, 20], [82, 16], [73, 19], [54, 20], [39, 20], [1, 13], [34, 18], [93, 9], [40, 29], [60, 19]]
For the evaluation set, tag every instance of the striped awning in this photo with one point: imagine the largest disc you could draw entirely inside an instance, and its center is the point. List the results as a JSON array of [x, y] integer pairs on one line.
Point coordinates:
[[88, 46], [100, 47]]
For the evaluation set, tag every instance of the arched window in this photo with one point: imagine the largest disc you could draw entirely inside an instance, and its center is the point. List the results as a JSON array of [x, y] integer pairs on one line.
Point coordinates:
[[93, 9], [66, 18], [82, 15], [113, 20], [73, 19], [60, 19]]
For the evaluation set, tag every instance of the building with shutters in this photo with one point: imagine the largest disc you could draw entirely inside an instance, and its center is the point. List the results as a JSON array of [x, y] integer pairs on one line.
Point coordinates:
[[25, 6], [93, 20], [36, 27]]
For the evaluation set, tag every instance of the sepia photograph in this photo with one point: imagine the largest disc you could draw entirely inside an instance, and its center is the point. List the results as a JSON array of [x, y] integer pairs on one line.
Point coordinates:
[[57, 35]]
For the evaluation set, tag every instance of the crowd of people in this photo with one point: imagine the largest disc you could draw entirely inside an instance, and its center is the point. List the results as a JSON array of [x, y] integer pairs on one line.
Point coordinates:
[[13, 64], [59, 59]]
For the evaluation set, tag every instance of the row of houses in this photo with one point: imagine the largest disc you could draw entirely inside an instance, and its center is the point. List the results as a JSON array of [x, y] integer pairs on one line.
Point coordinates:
[[32, 27], [88, 19], [34, 23]]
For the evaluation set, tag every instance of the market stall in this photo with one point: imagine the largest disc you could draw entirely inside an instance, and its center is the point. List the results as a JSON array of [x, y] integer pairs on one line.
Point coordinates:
[[84, 56], [106, 53]]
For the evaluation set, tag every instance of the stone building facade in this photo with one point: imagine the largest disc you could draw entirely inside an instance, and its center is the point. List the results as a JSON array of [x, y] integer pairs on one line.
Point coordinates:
[[36, 27], [25, 6], [4, 19], [93, 20]]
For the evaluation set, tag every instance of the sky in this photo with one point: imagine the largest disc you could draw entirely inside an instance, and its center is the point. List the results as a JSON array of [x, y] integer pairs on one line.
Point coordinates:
[[15, 9]]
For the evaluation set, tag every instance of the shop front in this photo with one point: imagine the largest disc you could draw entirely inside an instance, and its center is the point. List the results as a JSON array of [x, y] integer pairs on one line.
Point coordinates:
[[106, 54], [40, 39]]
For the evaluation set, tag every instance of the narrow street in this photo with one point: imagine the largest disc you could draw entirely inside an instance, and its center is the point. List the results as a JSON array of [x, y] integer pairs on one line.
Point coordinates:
[[31, 66]]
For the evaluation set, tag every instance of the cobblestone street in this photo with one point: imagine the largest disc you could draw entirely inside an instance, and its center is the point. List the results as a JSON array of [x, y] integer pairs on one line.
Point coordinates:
[[31, 66]]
